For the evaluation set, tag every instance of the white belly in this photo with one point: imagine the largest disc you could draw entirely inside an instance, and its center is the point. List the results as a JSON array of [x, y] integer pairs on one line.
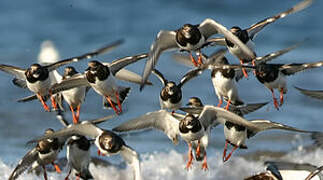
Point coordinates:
[[191, 47], [40, 87], [106, 87], [225, 87], [189, 137], [77, 158], [236, 51], [74, 96], [168, 105], [279, 83], [296, 174], [235, 137]]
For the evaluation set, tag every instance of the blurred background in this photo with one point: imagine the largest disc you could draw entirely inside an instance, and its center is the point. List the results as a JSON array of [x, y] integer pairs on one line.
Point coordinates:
[[80, 26]]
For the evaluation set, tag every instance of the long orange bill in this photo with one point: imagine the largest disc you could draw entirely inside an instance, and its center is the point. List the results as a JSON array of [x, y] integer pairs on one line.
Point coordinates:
[[43, 102]]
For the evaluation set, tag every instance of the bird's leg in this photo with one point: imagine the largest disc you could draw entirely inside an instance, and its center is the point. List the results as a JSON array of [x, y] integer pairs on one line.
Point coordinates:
[[58, 170], [228, 105], [204, 165], [220, 103], [243, 69], [45, 174], [118, 101], [225, 158], [199, 60], [281, 97], [78, 113], [43, 102], [99, 153], [173, 112], [75, 121], [78, 177], [68, 174], [190, 157], [193, 60], [198, 149], [112, 105], [275, 100], [253, 62], [52, 99]]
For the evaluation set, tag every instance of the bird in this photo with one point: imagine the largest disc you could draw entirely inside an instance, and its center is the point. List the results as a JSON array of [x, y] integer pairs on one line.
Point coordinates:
[[247, 35], [187, 38], [45, 152], [195, 102], [102, 76], [37, 79], [108, 142], [236, 128], [173, 125], [273, 76], [283, 170], [170, 96]]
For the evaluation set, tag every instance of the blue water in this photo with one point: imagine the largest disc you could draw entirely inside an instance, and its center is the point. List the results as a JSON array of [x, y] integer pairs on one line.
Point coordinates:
[[78, 26]]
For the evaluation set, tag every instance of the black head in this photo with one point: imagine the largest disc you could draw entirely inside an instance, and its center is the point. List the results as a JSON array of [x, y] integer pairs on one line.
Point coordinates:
[[194, 102], [45, 146], [110, 142], [81, 141], [36, 72], [69, 71], [97, 69], [241, 34], [188, 34], [190, 123], [171, 91], [266, 72], [222, 60]]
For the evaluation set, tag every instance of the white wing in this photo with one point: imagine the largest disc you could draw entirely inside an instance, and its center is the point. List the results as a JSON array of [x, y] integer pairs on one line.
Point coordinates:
[[132, 158]]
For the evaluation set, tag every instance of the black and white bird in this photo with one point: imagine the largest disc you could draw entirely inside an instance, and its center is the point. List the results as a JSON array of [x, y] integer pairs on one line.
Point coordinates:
[[170, 96], [282, 170], [37, 77], [102, 76], [236, 128], [247, 35], [273, 76], [44, 153], [188, 38], [106, 141], [195, 102], [173, 125]]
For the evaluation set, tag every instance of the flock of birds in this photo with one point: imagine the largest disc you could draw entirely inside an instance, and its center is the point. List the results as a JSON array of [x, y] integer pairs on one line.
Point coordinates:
[[193, 126]]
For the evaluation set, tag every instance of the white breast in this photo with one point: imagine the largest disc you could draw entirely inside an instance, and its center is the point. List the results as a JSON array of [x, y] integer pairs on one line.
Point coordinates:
[[236, 51], [47, 158], [168, 105], [106, 87], [188, 137], [74, 96], [225, 87], [190, 47], [236, 137], [77, 158], [40, 87]]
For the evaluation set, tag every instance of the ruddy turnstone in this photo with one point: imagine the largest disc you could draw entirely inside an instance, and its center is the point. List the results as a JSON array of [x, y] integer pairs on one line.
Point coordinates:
[[37, 79], [188, 38], [106, 141]]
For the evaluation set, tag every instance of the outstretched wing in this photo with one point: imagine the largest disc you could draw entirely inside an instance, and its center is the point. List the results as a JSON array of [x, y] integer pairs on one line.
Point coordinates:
[[75, 81], [289, 69], [207, 28], [318, 94], [132, 158], [89, 55], [160, 76], [118, 64], [165, 40], [18, 72], [162, 120], [254, 29], [24, 163]]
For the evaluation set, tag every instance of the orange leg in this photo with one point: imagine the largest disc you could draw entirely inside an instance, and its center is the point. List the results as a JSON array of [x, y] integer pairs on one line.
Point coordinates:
[[199, 60], [193, 60], [45, 174], [281, 97], [69, 172], [220, 103], [58, 170], [198, 149], [275, 100], [112, 105], [204, 165], [75, 121], [78, 112], [244, 70], [54, 105], [253, 62], [228, 105], [99, 153], [190, 157], [225, 158], [43, 102], [118, 101]]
